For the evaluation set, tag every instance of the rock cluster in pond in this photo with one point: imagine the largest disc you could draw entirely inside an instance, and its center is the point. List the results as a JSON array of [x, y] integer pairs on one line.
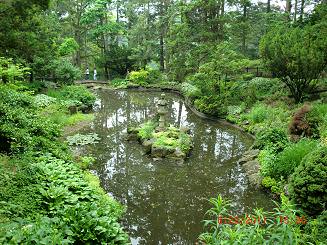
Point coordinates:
[[251, 166], [162, 141]]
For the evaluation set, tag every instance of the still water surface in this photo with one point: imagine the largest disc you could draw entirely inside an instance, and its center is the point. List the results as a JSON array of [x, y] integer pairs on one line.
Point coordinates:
[[166, 203]]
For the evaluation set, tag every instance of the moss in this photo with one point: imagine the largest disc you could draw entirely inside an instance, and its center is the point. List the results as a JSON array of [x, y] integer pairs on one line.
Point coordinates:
[[167, 141]]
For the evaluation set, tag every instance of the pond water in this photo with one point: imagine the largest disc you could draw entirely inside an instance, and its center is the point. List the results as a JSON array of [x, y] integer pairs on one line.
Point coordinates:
[[166, 203]]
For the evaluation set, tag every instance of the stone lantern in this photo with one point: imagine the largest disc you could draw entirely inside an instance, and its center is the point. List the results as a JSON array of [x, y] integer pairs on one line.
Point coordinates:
[[162, 111]]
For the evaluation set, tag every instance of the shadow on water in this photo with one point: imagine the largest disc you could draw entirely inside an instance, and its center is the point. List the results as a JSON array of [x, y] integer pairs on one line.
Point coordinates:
[[166, 203]]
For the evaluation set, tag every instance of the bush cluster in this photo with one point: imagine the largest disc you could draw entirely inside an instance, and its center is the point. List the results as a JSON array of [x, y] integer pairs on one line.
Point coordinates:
[[308, 184], [74, 95], [46, 198]]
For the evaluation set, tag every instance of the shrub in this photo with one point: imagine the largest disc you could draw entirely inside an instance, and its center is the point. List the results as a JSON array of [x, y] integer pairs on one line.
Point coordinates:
[[308, 184], [74, 93], [302, 124], [267, 159], [258, 114], [72, 206], [140, 77], [316, 230], [42, 100], [212, 105], [20, 127], [64, 71], [119, 82], [291, 157], [274, 138], [146, 130], [190, 90], [259, 88]]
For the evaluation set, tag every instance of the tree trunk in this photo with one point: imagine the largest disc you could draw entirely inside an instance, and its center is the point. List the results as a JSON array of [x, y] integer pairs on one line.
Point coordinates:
[[268, 6], [295, 10], [243, 31], [288, 9], [302, 10]]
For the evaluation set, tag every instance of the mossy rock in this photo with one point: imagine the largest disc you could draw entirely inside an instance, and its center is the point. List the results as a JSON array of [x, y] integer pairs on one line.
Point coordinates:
[[173, 143]]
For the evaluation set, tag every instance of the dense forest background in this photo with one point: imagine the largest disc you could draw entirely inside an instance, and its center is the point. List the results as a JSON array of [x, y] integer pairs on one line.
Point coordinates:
[[59, 39]]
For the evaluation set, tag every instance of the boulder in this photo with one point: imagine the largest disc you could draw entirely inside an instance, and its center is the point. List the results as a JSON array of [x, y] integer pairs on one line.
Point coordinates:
[[255, 179], [251, 167], [249, 155], [72, 109], [160, 152], [148, 145]]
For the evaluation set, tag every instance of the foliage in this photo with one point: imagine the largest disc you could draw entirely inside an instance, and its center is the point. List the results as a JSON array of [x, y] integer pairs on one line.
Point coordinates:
[[285, 162], [190, 91], [308, 182], [303, 48], [316, 229], [212, 105], [45, 196], [42, 100], [21, 128], [74, 93], [274, 138], [144, 77], [67, 204], [80, 139], [259, 88], [10, 72], [119, 82], [146, 130], [262, 116], [85, 162], [64, 71], [68, 47], [272, 185], [254, 228]]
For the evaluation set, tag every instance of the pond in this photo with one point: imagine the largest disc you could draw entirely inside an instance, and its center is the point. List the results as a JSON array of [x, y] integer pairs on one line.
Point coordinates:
[[166, 202]]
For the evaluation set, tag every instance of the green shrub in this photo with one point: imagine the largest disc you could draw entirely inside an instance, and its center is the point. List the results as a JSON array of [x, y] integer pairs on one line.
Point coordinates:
[[74, 93], [21, 129], [190, 90], [64, 71], [140, 77], [308, 184], [119, 82], [68, 201], [146, 130], [317, 119], [274, 138], [258, 113], [262, 87], [316, 230], [267, 158], [291, 157], [42, 100], [212, 105]]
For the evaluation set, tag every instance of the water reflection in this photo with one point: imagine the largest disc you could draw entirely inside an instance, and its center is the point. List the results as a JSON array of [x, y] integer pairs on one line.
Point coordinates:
[[165, 202]]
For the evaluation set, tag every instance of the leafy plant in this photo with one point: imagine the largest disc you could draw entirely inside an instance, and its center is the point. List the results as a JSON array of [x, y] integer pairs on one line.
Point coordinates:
[[273, 138], [42, 100], [303, 48], [291, 157], [74, 93], [254, 228], [140, 77], [308, 184], [146, 130], [80, 139]]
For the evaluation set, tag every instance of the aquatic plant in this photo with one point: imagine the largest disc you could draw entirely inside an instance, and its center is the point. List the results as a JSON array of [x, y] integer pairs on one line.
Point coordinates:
[[83, 139]]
